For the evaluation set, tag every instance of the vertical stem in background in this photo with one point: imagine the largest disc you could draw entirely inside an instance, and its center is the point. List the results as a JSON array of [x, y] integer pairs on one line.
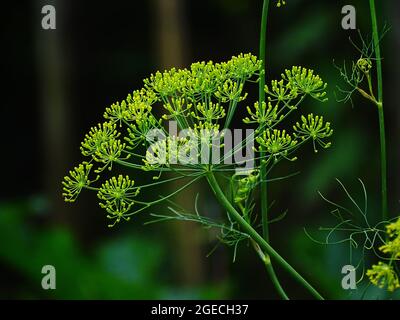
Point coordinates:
[[375, 35], [172, 47], [263, 169], [261, 98], [53, 78]]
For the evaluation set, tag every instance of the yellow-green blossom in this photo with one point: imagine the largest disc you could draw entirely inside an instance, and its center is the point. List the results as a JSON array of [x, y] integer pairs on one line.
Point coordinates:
[[365, 65], [116, 196], [109, 152], [315, 128], [393, 229], [97, 136], [305, 81], [392, 248], [76, 181], [276, 142], [384, 276], [263, 115]]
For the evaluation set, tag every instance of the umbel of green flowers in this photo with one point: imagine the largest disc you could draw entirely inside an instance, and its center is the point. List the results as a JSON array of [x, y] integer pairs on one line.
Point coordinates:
[[384, 273], [204, 96]]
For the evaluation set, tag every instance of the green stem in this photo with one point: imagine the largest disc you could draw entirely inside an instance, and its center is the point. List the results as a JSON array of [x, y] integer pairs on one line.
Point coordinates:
[[261, 97], [263, 166], [234, 214], [376, 40], [231, 112], [385, 215], [267, 263]]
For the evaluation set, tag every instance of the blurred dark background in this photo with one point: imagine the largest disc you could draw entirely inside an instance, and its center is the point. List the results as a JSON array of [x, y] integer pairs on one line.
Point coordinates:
[[56, 84]]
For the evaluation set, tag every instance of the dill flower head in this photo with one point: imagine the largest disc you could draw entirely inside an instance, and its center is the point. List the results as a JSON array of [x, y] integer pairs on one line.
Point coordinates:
[[167, 152], [392, 247], [176, 107], [76, 181], [305, 81], [263, 114], [94, 140], [243, 66], [109, 152], [117, 112], [116, 196], [208, 112], [202, 101], [383, 276], [276, 142], [229, 91], [393, 229], [365, 65], [136, 107], [281, 90], [167, 83], [315, 128]]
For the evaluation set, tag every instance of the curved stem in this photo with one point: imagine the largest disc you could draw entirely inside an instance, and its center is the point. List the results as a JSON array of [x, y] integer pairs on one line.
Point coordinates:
[[377, 50], [234, 214]]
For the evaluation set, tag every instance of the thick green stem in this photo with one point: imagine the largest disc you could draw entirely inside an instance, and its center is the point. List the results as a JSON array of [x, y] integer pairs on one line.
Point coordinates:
[[235, 215], [376, 40]]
